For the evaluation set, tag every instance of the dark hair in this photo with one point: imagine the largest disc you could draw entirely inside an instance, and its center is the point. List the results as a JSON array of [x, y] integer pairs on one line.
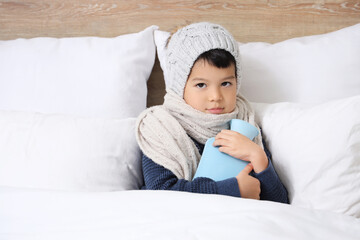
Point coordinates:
[[219, 58]]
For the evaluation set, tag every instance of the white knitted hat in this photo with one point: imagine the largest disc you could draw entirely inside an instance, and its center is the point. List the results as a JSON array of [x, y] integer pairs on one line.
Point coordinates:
[[188, 43]]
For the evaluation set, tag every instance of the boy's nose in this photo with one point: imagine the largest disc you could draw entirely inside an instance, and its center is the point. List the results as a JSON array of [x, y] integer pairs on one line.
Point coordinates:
[[215, 95]]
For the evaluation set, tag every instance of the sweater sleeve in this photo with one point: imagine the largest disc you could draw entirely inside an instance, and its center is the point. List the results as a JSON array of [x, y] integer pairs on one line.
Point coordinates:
[[156, 177], [271, 186]]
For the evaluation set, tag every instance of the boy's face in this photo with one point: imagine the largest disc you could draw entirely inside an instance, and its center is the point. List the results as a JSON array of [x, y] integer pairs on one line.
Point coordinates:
[[210, 89]]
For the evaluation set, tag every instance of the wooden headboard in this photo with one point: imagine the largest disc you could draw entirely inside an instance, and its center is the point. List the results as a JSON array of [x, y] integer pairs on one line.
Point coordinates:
[[260, 20]]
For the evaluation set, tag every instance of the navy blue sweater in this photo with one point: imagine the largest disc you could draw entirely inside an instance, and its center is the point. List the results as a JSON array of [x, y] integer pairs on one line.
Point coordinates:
[[156, 177]]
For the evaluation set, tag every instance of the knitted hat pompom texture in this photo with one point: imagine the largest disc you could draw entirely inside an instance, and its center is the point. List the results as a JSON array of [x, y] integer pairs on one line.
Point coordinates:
[[188, 43]]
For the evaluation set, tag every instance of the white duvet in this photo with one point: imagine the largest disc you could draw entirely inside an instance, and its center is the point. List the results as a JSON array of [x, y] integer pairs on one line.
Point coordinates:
[[34, 214]]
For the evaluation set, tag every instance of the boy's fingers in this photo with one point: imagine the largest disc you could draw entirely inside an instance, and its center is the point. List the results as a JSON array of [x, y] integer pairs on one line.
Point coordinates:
[[224, 133], [248, 168], [224, 150], [220, 142]]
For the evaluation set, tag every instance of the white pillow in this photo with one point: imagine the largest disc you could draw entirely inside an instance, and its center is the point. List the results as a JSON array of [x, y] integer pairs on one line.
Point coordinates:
[[103, 80], [84, 76], [316, 152], [312, 69], [51, 151]]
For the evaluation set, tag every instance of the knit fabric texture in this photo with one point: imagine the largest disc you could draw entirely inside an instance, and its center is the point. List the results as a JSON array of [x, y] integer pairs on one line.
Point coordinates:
[[188, 43]]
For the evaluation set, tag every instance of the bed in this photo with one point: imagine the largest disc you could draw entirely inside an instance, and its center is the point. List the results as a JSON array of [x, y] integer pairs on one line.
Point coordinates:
[[75, 75]]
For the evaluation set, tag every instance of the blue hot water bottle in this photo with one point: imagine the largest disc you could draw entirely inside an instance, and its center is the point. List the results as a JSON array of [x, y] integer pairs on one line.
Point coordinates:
[[219, 166]]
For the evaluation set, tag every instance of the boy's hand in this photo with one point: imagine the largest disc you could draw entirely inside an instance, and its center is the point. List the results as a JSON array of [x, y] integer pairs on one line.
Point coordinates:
[[249, 186], [239, 146]]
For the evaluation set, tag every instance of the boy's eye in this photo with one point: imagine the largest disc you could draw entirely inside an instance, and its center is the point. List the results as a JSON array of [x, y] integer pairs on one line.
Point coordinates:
[[201, 85], [226, 84]]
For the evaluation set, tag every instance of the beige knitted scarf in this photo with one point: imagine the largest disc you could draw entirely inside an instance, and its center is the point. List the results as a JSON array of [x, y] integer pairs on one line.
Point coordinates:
[[163, 132]]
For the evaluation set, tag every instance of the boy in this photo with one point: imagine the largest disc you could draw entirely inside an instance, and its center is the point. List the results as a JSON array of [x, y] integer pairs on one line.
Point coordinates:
[[203, 65]]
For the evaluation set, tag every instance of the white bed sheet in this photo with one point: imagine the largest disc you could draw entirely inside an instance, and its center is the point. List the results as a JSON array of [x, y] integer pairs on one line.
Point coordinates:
[[36, 214]]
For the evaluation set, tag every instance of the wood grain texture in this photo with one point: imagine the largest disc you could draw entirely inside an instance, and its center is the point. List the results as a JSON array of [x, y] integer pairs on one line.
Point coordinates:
[[269, 21], [260, 20]]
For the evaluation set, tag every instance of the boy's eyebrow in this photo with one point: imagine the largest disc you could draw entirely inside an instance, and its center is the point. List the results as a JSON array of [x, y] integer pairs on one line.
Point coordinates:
[[229, 77], [204, 79]]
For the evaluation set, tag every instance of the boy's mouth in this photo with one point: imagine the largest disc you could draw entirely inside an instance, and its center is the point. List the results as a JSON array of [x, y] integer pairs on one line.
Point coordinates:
[[215, 110]]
